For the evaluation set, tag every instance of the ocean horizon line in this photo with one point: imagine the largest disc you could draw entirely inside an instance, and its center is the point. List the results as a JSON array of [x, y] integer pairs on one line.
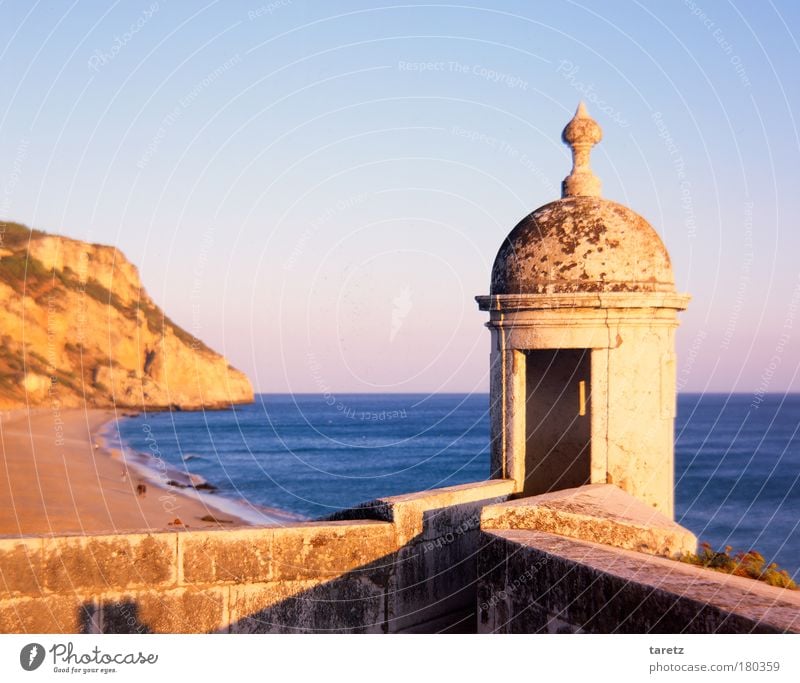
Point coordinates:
[[486, 393]]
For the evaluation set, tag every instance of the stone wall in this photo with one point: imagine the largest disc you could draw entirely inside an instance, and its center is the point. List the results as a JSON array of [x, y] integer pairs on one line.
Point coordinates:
[[424, 562], [406, 563], [536, 582]]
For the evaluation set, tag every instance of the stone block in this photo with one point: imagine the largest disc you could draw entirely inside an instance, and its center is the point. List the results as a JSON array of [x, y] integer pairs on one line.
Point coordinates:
[[21, 566], [352, 604], [601, 513], [453, 521], [324, 551], [433, 579], [180, 610], [406, 511], [597, 589], [229, 556], [51, 614], [101, 563]]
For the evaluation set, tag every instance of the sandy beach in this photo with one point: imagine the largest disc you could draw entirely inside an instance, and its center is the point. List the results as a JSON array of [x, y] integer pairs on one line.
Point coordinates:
[[57, 476]]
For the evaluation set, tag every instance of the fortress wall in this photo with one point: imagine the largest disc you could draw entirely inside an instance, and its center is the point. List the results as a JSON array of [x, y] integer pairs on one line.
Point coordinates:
[[405, 563], [415, 563], [192, 581], [434, 583], [539, 582]]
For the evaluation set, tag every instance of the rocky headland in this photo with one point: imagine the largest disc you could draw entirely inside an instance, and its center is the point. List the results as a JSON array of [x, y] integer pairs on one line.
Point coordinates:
[[78, 329]]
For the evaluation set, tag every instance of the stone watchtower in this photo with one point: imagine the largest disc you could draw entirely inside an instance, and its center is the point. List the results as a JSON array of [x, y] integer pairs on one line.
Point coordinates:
[[583, 311]]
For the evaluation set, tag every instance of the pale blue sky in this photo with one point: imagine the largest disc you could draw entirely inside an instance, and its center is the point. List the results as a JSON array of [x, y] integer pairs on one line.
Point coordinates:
[[318, 189]]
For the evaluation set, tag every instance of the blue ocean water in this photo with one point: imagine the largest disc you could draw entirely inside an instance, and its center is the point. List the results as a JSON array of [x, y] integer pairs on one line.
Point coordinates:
[[737, 466]]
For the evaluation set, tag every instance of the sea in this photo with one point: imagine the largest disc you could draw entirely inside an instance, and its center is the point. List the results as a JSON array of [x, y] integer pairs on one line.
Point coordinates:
[[304, 456]]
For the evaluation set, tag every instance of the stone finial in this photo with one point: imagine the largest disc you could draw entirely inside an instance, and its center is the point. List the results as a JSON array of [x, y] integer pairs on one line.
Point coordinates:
[[581, 134]]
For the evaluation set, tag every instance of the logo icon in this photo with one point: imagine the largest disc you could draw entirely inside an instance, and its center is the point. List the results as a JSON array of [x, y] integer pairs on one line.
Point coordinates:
[[31, 656]]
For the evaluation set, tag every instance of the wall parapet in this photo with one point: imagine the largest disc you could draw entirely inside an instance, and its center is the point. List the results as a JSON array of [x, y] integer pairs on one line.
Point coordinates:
[[414, 570], [602, 513], [533, 582]]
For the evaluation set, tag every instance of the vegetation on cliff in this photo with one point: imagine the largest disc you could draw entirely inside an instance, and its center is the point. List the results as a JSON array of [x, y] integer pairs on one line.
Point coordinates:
[[77, 328]]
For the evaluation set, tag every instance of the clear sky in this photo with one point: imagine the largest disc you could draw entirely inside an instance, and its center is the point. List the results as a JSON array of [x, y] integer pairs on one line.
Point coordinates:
[[318, 189]]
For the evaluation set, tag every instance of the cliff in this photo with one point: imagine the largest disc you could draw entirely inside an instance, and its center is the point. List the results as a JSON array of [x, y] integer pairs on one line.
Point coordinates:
[[77, 328]]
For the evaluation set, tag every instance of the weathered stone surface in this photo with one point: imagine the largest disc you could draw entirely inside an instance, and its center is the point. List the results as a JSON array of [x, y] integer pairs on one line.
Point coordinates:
[[52, 614], [581, 133], [455, 520], [235, 555], [584, 275], [73, 563], [601, 513], [599, 589], [327, 550], [434, 583], [251, 606], [20, 566], [119, 616], [582, 244], [354, 604], [492, 580], [182, 610], [409, 512], [355, 577], [338, 576], [629, 389], [454, 495]]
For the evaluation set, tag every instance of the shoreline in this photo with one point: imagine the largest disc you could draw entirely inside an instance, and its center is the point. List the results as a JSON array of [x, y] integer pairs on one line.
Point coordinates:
[[171, 479], [59, 475]]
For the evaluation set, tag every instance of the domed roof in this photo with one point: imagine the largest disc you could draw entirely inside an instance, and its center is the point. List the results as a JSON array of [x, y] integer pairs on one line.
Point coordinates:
[[582, 242]]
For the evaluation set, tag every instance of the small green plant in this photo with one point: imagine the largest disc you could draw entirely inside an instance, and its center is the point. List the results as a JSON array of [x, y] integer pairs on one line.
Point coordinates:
[[750, 564]]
